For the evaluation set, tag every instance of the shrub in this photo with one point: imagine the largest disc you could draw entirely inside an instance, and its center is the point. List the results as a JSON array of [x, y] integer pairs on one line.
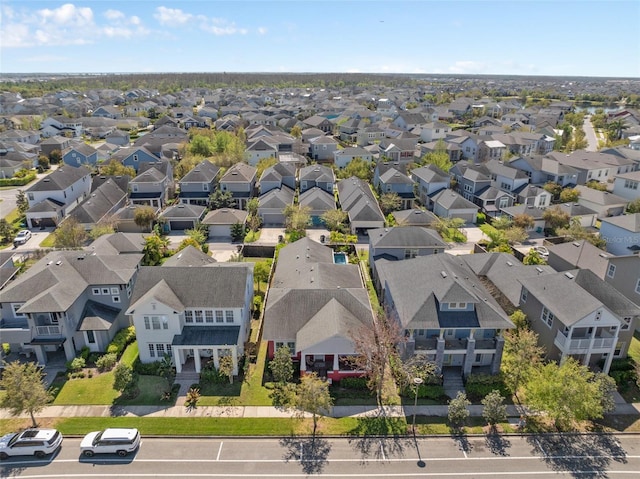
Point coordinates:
[[213, 376], [121, 340], [425, 391], [481, 219], [353, 383], [6, 349], [18, 181], [146, 369], [76, 364], [84, 353], [479, 385], [106, 362]]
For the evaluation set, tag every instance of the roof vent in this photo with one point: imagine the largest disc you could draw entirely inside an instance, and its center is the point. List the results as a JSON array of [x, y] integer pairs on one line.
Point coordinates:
[[603, 255], [539, 269], [58, 263], [509, 263], [49, 263], [443, 274], [569, 275], [576, 244]]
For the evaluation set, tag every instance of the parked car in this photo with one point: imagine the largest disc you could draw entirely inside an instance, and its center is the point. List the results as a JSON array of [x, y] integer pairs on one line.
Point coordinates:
[[30, 442], [22, 237], [120, 441]]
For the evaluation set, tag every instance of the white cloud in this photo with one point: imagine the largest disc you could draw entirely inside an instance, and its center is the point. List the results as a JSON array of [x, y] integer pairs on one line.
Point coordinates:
[[171, 16], [262, 30], [15, 35], [67, 14], [113, 14], [135, 20]]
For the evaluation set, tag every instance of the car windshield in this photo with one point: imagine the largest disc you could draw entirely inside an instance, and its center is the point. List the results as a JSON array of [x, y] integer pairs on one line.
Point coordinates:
[[96, 439], [13, 440], [54, 438]]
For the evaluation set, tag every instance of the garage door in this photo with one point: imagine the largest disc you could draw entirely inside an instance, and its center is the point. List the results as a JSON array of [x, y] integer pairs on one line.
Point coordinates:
[[46, 222], [219, 231], [272, 220], [181, 225]]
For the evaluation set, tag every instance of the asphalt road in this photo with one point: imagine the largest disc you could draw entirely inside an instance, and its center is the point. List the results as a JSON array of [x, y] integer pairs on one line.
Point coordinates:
[[504, 456], [590, 134]]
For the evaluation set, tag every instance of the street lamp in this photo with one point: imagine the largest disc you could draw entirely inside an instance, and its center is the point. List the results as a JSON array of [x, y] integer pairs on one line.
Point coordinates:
[[417, 382]]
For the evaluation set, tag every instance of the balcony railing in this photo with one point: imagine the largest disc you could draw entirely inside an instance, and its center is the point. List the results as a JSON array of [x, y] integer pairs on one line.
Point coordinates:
[[48, 331], [582, 344]]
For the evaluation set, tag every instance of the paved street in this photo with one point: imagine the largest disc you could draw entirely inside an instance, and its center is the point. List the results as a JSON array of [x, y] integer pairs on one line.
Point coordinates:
[[291, 457], [590, 134]]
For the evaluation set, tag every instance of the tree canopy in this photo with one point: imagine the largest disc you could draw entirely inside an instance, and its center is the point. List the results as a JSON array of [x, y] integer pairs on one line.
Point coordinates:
[[25, 389]]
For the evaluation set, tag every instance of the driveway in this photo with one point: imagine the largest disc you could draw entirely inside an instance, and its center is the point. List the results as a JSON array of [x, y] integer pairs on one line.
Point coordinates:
[[590, 134]]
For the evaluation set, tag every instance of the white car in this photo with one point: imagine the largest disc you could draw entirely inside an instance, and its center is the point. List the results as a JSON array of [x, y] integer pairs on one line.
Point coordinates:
[[22, 237], [120, 441], [31, 442]]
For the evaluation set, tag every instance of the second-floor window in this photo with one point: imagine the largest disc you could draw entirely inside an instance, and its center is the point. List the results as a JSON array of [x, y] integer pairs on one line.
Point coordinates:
[[219, 317], [410, 253], [228, 316], [188, 316], [626, 324], [611, 270], [547, 317]]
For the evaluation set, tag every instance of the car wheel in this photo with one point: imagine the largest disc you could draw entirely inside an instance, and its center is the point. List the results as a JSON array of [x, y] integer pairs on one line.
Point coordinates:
[[88, 453], [39, 454], [4, 455], [122, 453]]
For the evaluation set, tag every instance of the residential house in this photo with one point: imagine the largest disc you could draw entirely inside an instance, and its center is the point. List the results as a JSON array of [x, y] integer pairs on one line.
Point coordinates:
[[55, 195], [360, 204], [449, 204], [429, 180], [119, 137], [541, 170], [134, 156], [602, 202], [260, 150], [622, 234], [589, 165], [81, 154], [398, 149], [60, 143], [369, 135], [414, 217], [526, 144], [320, 176], [467, 143], [107, 112], [118, 243], [408, 121], [341, 158], [183, 216], [627, 185], [625, 277], [60, 126], [536, 213], [21, 136], [319, 122], [240, 180], [220, 221], [190, 256], [491, 150], [434, 131], [153, 186], [323, 148], [199, 183], [66, 301], [448, 316], [278, 175], [392, 178], [531, 195], [319, 202], [272, 204], [108, 195], [194, 314], [315, 307]]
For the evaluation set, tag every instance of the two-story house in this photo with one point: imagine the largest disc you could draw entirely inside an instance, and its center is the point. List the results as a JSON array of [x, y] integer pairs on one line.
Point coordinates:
[[622, 234], [320, 176], [55, 195], [153, 186], [272, 204], [194, 314], [134, 156], [81, 154], [199, 183], [108, 195], [448, 316], [322, 148], [277, 176], [429, 180], [319, 202], [343, 157], [358, 201], [240, 181], [393, 178], [68, 300], [627, 185]]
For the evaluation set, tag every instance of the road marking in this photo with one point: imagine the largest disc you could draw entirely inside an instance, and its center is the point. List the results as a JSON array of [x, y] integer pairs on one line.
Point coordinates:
[[301, 451], [219, 451], [384, 457]]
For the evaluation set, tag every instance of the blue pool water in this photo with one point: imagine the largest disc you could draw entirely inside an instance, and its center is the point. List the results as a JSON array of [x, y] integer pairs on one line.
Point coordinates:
[[339, 258]]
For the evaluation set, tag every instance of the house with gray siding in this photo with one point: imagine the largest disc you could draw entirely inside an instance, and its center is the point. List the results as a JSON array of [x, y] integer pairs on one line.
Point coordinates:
[[240, 180], [622, 234], [271, 205], [278, 175], [316, 175], [199, 183]]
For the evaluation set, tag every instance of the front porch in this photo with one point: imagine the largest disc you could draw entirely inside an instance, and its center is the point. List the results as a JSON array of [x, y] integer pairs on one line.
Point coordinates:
[[330, 366], [198, 344]]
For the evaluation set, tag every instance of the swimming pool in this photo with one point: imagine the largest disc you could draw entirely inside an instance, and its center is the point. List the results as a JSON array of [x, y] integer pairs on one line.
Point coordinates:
[[340, 258]]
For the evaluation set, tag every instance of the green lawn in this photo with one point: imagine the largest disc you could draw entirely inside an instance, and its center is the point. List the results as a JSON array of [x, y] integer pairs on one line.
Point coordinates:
[[95, 390]]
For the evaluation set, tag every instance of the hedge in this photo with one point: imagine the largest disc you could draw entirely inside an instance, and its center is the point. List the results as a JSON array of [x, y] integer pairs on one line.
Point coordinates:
[[121, 340], [479, 385], [18, 181]]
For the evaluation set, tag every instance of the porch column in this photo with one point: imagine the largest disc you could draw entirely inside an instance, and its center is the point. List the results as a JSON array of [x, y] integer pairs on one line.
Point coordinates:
[[497, 356], [196, 359], [587, 356], [177, 359], [41, 356], [69, 353], [469, 357], [440, 352], [303, 362], [336, 364], [234, 357], [216, 358], [607, 363]]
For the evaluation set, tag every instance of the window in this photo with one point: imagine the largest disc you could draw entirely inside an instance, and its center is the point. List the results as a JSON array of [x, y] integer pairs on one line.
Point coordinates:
[[219, 317], [188, 316], [114, 290], [105, 290], [208, 316], [168, 348], [290, 344], [115, 299], [619, 348], [16, 307], [205, 187], [598, 315], [547, 316], [638, 286], [155, 322], [31, 197], [199, 318], [91, 338], [457, 305], [96, 291], [626, 324], [523, 295], [160, 350], [228, 316], [134, 187], [611, 271], [147, 322], [631, 185], [152, 351], [410, 253], [135, 157]]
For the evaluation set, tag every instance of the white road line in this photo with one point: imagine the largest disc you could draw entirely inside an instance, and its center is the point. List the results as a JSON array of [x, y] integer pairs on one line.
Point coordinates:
[[219, 451], [301, 451]]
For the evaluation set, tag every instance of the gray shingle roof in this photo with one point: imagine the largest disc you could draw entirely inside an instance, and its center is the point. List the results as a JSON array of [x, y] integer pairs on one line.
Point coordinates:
[[60, 179], [405, 237]]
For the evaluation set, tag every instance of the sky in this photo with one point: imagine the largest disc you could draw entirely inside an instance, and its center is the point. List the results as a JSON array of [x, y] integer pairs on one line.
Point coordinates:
[[507, 37]]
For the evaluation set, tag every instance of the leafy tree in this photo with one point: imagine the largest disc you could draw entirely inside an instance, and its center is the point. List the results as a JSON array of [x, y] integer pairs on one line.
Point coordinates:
[[458, 410], [313, 396], [115, 168], [199, 233], [569, 195], [634, 206], [201, 145], [6, 230], [261, 271], [357, 167], [237, 231], [144, 216], [123, 379], [451, 229], [296, 132], [252, 206], [70, 234], [502, 222], [226, 367], [515, 235], [375, 346], [577, 232], [439, 157], [281, 365], [43, 162], [25, 389], [614, 129], [221, 199], [555, 218], [523, 221], [390, 202], [188, 242], [22, 202], [263, 164], [166, 370], [155, 248], [607, 386], [297, 218], [254, 222], [334, 219], [519, 319], [55, 156], [533, 257], [596, 185], [494, 410], [554, 189], [566, 393], [521, 357]]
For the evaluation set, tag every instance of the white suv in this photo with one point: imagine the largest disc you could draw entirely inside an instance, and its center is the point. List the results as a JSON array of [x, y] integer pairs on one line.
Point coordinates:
[[31, 442], [119, 441]]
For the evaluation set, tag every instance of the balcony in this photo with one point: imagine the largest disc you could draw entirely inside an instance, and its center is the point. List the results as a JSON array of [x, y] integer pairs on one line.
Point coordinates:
[[582, 345], [43, 331]]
